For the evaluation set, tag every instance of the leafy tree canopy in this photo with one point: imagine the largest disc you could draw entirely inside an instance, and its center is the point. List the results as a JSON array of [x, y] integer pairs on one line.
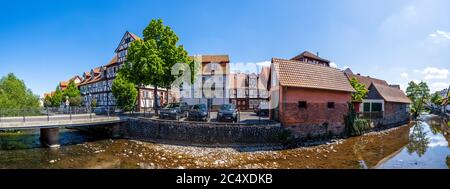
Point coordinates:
[[419, 95], [73, 93], [57, 98], [125, 93], [71, 90], [15, 95], [361, 91], [436, 98], [149, 61]]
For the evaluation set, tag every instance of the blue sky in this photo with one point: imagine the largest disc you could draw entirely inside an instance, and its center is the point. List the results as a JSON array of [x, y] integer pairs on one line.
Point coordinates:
[[44, 42]]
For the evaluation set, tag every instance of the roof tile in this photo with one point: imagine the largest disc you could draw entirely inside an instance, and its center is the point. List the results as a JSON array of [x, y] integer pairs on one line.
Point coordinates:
[[391, 94], [300, 74]]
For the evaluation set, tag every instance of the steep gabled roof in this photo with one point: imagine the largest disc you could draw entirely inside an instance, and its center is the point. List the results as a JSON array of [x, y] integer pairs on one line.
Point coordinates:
[[127, 33], [75, 78], [300, 74], [264, 77], [366, 80], [391, 94], [310, 55], [96, 70], [134, 36]]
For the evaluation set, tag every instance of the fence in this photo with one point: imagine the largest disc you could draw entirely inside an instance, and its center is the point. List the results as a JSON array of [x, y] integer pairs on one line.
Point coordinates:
[[50, 113]]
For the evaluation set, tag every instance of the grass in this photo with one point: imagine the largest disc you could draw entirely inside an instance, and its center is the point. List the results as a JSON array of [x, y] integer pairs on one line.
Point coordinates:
[[448, 123]]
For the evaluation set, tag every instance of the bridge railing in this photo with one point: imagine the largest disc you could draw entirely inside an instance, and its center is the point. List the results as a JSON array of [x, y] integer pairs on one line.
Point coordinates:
[[56, 113]]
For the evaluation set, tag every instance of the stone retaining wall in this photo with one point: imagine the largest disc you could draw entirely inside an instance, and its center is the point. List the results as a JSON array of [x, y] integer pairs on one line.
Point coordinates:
[[190, 133]]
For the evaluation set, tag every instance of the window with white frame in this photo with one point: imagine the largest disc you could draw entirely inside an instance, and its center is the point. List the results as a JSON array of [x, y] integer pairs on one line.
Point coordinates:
[[373, 106]]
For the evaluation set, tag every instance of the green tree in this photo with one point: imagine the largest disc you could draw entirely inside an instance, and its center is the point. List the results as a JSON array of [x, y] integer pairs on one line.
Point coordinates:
[[125, 93], [15, 95], [419, 95], [436, 98], [361, 91], [149, 61], [93, 103], [73, 93], [418, 140], [76, 101], [57, 98], [48, 101]]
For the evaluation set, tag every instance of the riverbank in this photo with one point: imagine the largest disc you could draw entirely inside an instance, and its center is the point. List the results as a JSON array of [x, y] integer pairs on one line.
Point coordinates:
[[418, 144], [356, 152]]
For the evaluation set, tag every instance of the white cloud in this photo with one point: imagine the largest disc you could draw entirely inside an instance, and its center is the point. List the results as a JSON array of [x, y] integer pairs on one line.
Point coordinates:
[[333, 65], [439, 36], [437, 86], [435, 73], [404, 75], [416, 81], [264, 63]]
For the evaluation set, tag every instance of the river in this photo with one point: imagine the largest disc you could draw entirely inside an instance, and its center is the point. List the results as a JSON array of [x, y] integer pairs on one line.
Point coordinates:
[[419, 145]]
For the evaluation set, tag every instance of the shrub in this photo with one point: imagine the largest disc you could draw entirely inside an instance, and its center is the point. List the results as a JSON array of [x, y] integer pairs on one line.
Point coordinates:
[[355, 126], [285, 136]]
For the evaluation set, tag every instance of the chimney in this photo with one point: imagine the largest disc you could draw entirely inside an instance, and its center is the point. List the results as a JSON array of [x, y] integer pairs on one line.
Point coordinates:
[[317, 53]]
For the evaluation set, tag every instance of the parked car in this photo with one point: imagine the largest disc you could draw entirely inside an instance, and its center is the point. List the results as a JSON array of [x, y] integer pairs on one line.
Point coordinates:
[[262, 109], [174, 111], [227, 112], [198, 112]]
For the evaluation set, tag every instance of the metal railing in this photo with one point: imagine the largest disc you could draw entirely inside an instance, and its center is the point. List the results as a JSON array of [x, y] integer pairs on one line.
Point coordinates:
[[56, 114], [44, 114]]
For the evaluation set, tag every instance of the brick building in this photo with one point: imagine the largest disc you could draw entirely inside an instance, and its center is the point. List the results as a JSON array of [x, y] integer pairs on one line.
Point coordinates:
[[313, 97], [385, 103]]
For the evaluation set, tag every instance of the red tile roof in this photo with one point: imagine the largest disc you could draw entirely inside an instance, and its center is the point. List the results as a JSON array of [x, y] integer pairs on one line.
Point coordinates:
[[299, 74], [215, 58], [366, 80], [391, 94], [112, 61], [96, 70]]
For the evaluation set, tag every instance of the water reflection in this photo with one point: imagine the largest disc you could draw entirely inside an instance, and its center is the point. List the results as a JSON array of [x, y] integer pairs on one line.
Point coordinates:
[[418, 140], [411, 146], [427, 147]]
